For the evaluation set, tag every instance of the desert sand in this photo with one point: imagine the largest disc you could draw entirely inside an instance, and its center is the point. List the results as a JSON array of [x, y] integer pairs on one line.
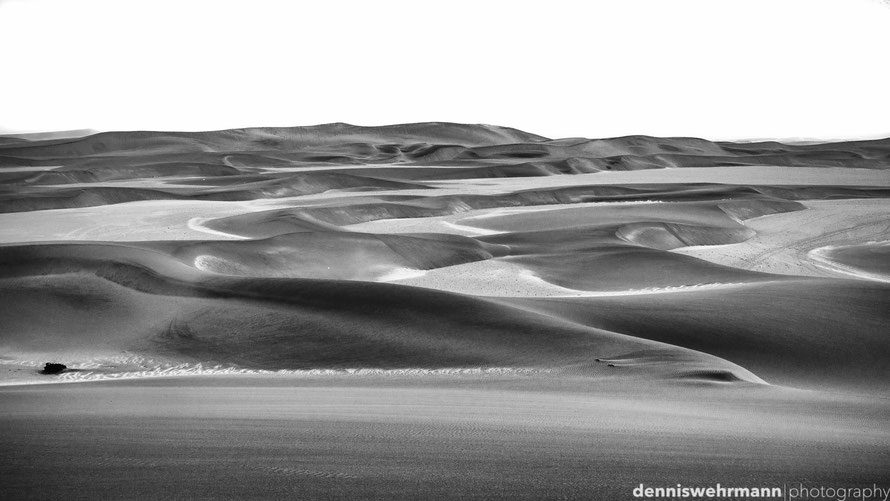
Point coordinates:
[[439, 311]]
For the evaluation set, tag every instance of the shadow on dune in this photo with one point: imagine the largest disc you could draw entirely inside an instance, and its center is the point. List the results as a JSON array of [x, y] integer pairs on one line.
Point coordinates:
[[623, 268], [812, 333], [122, 297]]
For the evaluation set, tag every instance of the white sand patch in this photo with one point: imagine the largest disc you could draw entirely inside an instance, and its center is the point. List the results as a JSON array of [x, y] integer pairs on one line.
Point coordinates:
[[441, 224], [493, 277], [218, 265], [470, 231], [648, 291], [29, 168], [695, 248], [498, 278], [197, 224], [401, 274], [566, 292], [131, 221]]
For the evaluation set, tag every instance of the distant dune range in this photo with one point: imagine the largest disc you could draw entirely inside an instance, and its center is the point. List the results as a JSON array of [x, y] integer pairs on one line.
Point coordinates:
[[320, 217], [423, 152]]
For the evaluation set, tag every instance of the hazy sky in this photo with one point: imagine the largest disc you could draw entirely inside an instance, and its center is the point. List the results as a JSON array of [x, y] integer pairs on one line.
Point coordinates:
[[713, 68]]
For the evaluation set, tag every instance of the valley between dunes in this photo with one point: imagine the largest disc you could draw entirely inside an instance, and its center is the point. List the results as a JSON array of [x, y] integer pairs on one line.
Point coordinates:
[[440, 310]]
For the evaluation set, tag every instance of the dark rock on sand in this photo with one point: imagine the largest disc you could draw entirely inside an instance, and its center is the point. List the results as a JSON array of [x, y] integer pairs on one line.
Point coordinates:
[[53, 368]]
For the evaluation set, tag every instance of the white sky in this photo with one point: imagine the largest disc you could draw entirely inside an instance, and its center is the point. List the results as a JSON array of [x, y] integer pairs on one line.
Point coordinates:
[[719, 69]]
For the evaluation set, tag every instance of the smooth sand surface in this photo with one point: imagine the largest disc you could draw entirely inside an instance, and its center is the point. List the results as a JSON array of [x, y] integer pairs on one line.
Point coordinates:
[[261, 439], [439, 311]]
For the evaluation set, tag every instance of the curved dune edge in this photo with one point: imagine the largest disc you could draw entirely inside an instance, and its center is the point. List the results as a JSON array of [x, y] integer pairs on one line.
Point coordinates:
[[197, 224], [825, 257]]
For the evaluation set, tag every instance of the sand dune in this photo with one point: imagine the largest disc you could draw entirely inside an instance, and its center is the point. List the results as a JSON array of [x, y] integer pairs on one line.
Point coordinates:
[[89, 196], [63, 175], [439, 310], [281, 323], [334, 255], [736, 202], [610, 243], [622, 267], [780, 330], [261, 139]]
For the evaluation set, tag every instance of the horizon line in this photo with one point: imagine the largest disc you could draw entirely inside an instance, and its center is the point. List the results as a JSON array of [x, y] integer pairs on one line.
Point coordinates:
[[86, 132]]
